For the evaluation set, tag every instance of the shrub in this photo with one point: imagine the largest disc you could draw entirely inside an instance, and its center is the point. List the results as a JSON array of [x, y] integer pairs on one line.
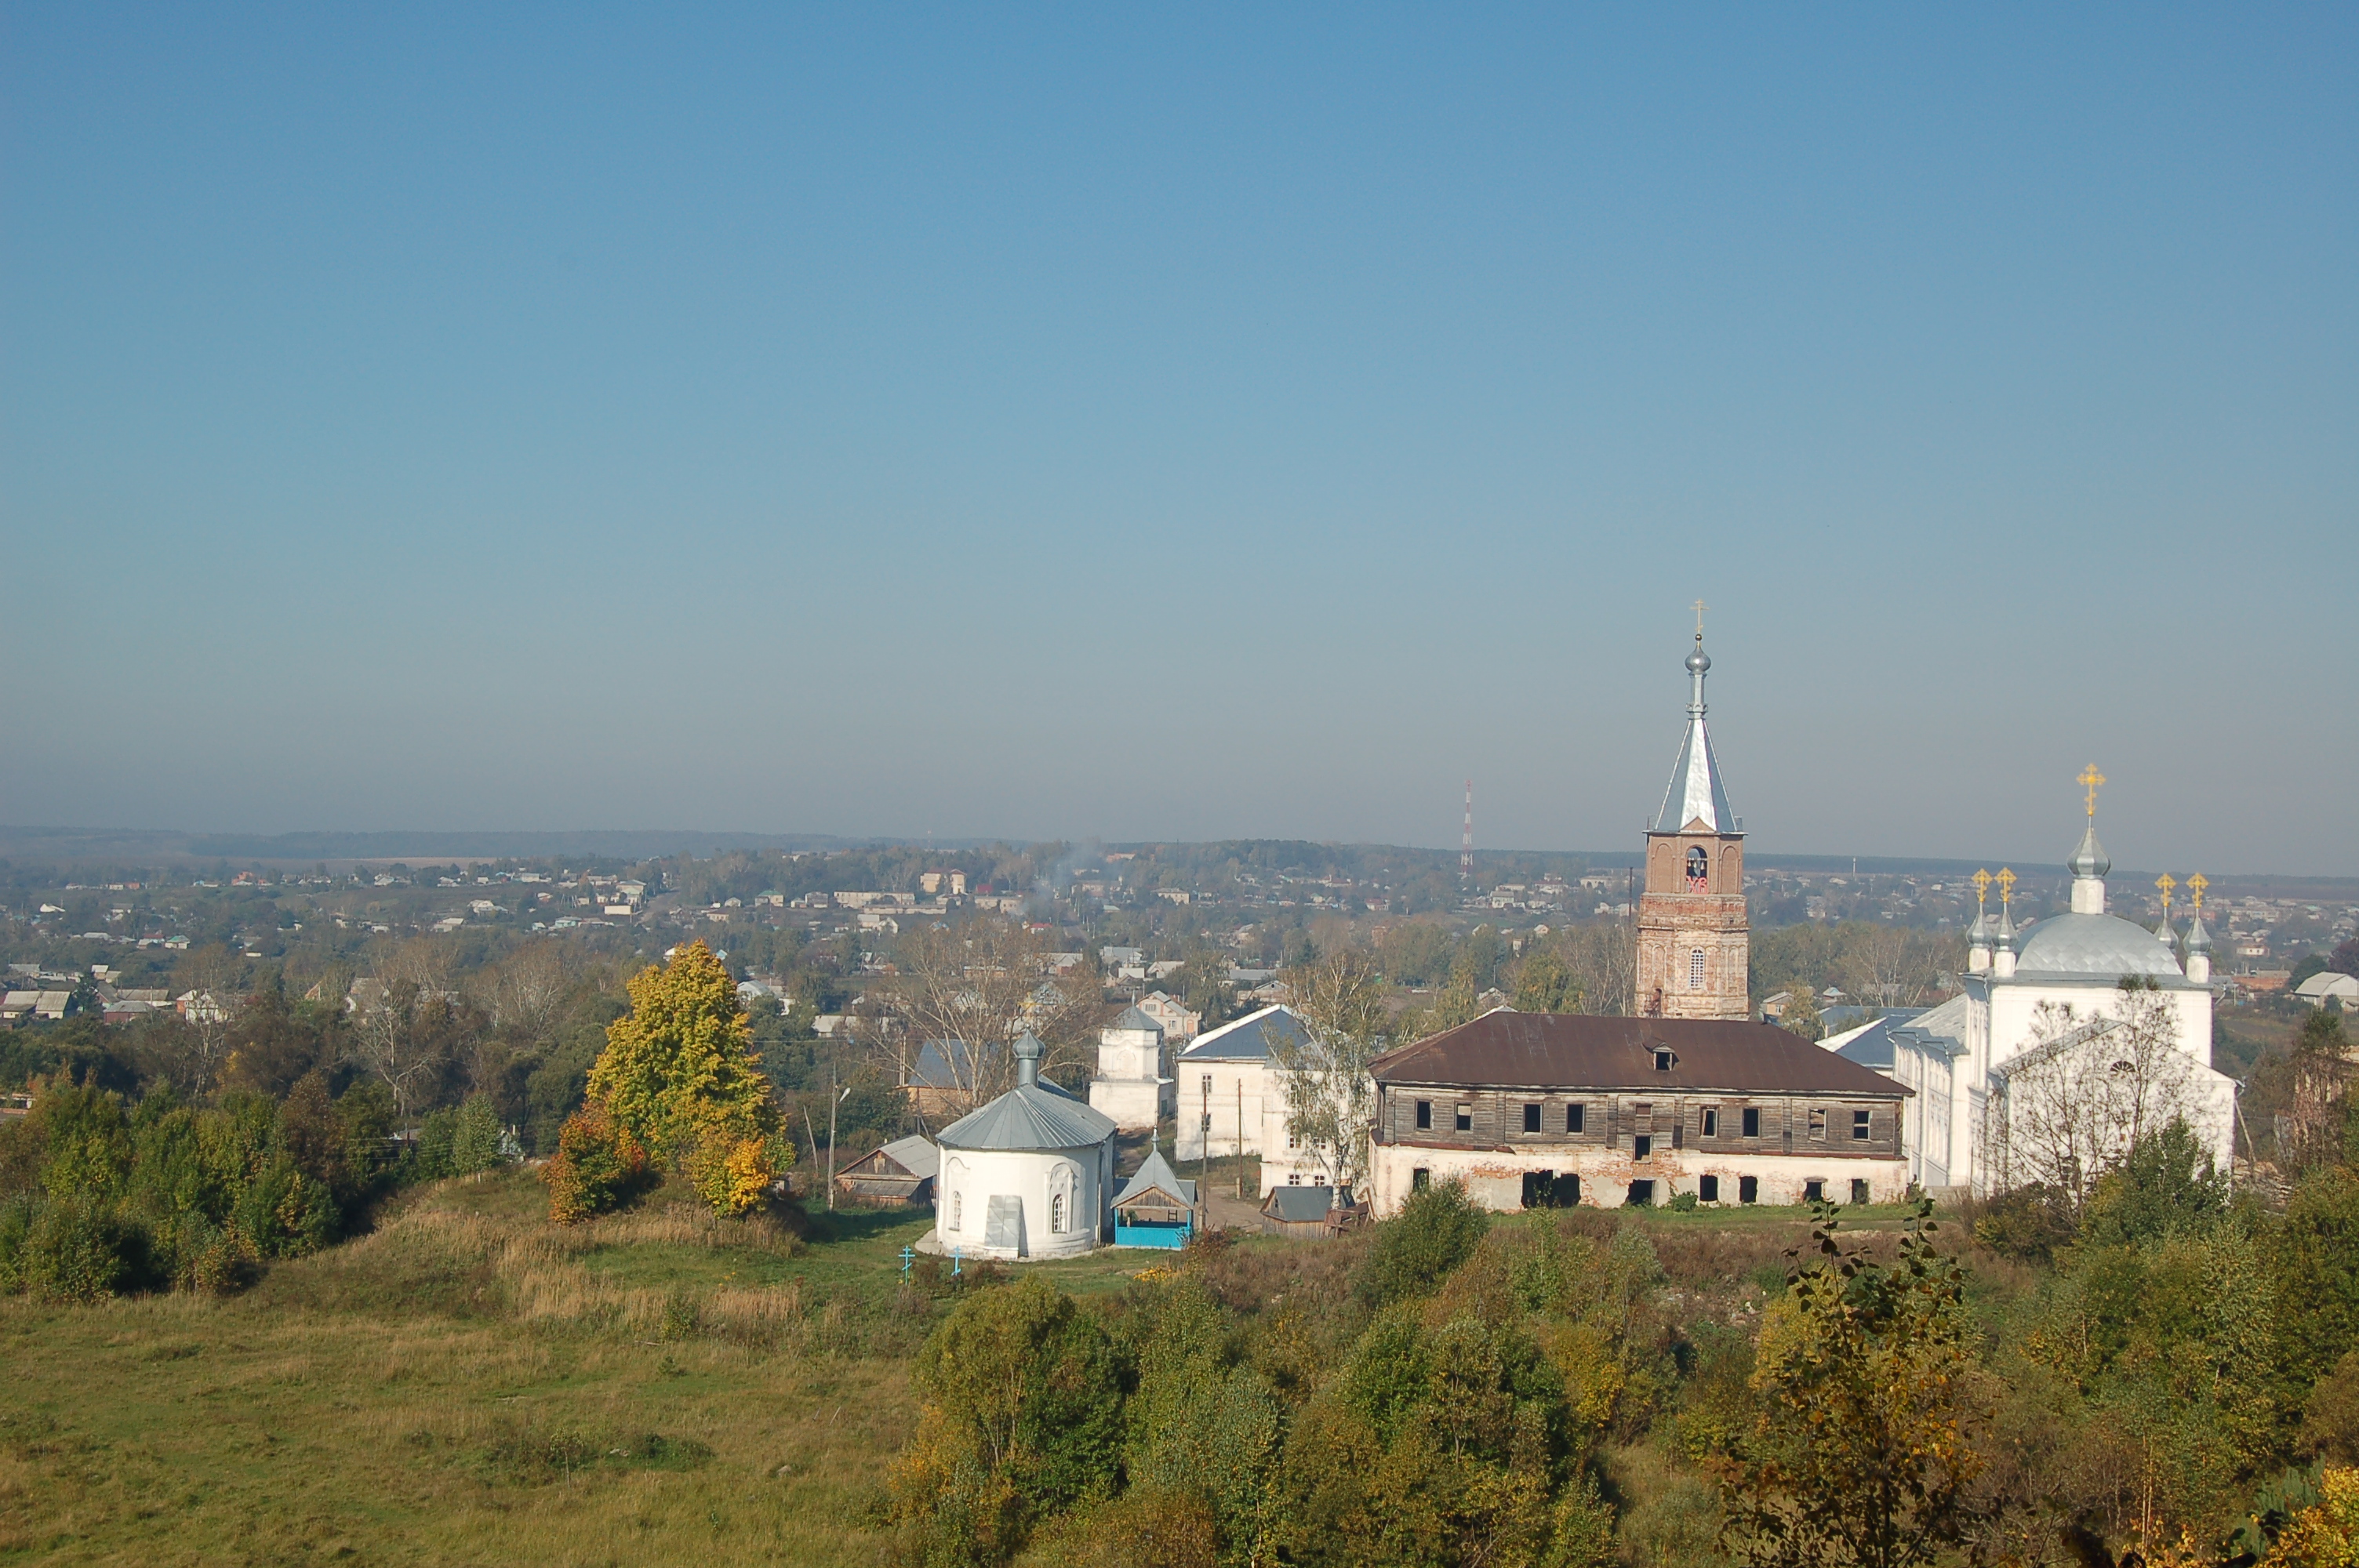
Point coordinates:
[[734, 1174], [73, 1249], [2028, 1222], [475, 1137], [598, 1165], [1435, 1231]]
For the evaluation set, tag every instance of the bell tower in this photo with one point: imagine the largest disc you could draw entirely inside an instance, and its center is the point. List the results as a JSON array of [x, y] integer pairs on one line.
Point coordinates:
[[1694, 947]]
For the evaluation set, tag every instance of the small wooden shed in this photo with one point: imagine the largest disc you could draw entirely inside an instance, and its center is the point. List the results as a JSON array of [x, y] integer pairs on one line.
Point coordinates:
[[1309, 1213], [901, 1172]]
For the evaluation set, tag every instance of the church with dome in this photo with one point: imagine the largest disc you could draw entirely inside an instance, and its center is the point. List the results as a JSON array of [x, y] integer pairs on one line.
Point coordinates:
[[2069, 1033]]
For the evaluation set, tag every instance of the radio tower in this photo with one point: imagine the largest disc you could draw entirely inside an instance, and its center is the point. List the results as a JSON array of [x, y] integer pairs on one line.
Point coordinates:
[[1466, 844]]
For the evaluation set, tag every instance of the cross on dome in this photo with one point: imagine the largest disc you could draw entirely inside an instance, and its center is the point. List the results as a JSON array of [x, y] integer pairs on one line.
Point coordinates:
[[2090, 779]]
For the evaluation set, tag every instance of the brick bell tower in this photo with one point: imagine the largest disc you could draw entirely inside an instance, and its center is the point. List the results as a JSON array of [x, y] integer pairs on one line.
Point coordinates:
[[1694, 946]]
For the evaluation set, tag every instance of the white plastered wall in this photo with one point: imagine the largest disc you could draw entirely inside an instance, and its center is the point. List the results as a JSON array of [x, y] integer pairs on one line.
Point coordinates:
[[970, 1179], [1494, 1177]]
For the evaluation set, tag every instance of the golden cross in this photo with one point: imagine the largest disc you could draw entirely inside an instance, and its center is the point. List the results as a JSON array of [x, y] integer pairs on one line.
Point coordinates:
[[2005, 886], [2166, 883], [2196, 884], [1982, 885], [1700, 608], [2089, 779]]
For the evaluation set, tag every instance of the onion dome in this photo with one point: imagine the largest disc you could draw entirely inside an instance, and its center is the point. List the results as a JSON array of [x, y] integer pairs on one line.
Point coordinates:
[[2197, 939], [2002, 935], [2090, 860], [1978, 935]]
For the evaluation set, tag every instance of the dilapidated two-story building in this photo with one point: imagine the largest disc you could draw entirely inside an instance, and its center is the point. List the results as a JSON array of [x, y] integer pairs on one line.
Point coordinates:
[[1535, 1110]]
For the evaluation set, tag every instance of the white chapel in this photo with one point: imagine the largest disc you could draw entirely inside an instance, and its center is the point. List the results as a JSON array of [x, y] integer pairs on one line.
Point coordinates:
[[2071, 1035]]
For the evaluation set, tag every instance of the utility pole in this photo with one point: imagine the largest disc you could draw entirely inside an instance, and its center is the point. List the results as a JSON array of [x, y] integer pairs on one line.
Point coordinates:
[[1241, 1138], [831, 1101]]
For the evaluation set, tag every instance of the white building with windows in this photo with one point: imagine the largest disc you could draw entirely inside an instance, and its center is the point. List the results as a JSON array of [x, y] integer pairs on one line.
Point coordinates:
[[2070, 1033], [1233, 1100], [1029, 1176]]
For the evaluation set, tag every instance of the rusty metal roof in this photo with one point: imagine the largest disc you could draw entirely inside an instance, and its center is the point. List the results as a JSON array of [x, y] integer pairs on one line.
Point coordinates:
[[1566, 1051]]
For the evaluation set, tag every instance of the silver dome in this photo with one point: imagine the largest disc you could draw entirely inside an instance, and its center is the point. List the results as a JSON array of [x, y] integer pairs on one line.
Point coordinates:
[[2092, 946], [2090, 859]]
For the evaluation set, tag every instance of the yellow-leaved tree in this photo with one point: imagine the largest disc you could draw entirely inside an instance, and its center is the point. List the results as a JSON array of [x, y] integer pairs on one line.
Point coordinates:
[[679, 1077]]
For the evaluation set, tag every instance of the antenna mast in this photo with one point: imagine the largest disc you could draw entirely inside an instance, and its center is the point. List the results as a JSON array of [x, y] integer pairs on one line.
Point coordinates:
[[1466, 844]]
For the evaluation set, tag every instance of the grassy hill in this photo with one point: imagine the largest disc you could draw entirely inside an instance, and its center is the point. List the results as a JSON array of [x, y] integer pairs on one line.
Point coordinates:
[[468, 1384]]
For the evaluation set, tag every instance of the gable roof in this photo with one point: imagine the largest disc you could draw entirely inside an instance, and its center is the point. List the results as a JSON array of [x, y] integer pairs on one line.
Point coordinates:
[[914, 1155], [1247, 1039], [938, 1063], [1300, 1205], [1155, 1174], [1564, 1050], [1132, 1018]]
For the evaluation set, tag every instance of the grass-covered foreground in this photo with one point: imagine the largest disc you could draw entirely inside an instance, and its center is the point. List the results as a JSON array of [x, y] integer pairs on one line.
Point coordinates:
[[469, 1384]]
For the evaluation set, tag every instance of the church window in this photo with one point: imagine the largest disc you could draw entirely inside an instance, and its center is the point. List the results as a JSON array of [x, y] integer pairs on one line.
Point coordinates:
[[1662, 1060], [1695, 970], [1818, 1124], [1293, 1139], [1858, 1190], [1699, 868], [1294, 1178], [1057, 1212], [1708, 1189], [1814, 1191], [958, 1211], [1531, 1119], [1420, 1178], [1711, 1122], [1748, 1189], [1465, 1119], [1751, 1121], [1424, 1116], [1642, 1147], [1859, 1127], [1575, 1118]]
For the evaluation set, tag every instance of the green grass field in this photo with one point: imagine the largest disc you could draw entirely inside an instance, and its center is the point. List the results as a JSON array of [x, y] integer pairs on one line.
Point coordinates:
[[469, 1384]]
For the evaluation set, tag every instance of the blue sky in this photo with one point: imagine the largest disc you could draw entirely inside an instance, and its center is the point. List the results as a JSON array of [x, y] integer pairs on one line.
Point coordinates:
[[1183, 424]]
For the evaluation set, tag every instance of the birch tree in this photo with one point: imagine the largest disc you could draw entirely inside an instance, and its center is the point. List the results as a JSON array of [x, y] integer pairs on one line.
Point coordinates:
[[1329, 1095], [2089, 1087]]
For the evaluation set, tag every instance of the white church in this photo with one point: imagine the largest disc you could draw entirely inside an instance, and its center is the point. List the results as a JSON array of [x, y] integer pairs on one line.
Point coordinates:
[[2072, 1036]]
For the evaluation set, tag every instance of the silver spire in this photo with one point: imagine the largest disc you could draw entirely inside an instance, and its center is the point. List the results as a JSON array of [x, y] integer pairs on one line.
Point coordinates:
[[1696, 791]]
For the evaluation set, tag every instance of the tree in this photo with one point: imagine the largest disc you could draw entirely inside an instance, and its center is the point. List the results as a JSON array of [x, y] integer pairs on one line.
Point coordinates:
[[1022, 1418], [978, 986], [1859, 1453], [1436, 1231], [1603, 958], [2088, 1090], [1323, 1074], [1544, 983], [679, 1075]]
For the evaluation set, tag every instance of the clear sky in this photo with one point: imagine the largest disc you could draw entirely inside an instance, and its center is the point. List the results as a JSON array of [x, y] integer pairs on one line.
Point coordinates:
[[1185, 422]]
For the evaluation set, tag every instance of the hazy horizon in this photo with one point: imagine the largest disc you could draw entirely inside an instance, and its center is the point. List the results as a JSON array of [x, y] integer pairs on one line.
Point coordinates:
[[1184, 427]]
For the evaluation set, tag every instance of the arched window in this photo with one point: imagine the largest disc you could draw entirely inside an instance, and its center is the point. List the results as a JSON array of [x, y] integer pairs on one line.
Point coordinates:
[[958, 1211], [1695, 970], [1699, 868], [1057, 1212]]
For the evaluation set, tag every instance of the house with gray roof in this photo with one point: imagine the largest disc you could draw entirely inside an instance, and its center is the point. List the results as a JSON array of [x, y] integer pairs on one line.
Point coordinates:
[[1232, 1100]]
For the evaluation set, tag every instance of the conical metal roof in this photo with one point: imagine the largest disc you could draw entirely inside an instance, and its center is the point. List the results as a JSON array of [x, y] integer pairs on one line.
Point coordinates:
[[1132, 1017], [1029, 1116], [1696, 791]]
